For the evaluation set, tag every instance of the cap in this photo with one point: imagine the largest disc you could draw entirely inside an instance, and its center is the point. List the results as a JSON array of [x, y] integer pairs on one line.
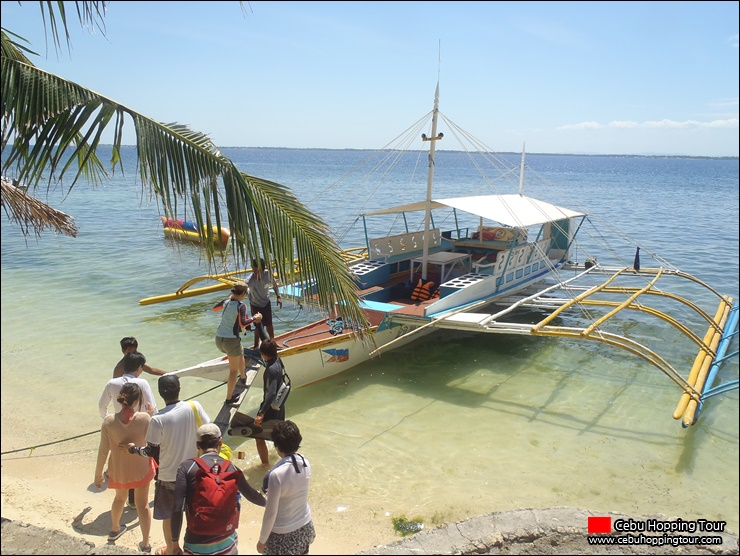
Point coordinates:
[[239, 287], [209, 429], [168, 384]]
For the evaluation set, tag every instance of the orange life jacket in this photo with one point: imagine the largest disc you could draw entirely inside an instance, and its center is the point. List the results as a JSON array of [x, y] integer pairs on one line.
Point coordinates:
[[422, 291]]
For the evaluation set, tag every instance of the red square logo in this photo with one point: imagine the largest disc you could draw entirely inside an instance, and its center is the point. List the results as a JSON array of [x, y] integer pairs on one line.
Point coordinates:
[[599, 525]]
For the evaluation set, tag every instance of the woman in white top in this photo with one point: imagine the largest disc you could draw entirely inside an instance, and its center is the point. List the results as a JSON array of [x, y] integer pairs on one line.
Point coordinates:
[[286, 526]]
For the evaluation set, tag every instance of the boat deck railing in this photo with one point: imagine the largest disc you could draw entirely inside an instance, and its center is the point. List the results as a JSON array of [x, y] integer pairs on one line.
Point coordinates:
[[401, 247]]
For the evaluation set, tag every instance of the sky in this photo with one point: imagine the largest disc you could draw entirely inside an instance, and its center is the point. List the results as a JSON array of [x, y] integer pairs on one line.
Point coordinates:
[[647, 78]]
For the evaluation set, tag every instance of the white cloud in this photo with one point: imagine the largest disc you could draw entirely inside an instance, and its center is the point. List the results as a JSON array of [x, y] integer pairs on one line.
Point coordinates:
[[724, 103], [733, 40], [624, 125], [582, 125], [669, 124], [689, 124], [730, 123]]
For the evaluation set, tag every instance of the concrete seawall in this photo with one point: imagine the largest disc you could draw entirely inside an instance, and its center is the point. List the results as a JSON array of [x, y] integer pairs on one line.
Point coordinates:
[[529, 531]]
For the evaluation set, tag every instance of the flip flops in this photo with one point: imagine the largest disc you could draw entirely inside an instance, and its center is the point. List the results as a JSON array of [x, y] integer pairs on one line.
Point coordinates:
[[161, 551], [115, 535], [145, 549]]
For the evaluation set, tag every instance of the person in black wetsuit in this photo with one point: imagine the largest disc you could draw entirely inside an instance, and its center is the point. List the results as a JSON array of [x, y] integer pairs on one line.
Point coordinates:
[[273, 378]]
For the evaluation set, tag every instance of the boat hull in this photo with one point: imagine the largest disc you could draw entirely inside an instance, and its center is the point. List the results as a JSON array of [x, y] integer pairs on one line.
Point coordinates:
[[323, 356]]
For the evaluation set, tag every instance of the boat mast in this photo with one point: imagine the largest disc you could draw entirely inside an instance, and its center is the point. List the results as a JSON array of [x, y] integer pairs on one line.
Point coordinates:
[[521, 173], [430, 180]]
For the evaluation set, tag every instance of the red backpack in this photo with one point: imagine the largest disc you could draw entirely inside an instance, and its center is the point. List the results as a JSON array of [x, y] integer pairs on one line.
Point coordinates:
[[214, 510]]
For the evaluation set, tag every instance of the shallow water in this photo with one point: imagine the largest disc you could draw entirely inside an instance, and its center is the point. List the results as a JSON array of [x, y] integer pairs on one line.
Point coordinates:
[[449, 427]]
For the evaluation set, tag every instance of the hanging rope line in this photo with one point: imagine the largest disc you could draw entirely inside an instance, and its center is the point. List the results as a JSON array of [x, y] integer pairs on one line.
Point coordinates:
[[276, 316], [32, 448]]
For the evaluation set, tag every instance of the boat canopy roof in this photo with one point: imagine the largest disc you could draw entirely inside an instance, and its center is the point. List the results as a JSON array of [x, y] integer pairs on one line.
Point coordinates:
[[509, 210]]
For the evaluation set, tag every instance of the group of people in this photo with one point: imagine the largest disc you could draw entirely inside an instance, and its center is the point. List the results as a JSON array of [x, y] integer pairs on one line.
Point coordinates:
[[235, 319], [140, 443]]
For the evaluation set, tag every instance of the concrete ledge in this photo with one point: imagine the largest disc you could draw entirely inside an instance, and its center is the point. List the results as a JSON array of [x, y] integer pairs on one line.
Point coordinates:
[[538, 531], [528, 531], [22, 538]]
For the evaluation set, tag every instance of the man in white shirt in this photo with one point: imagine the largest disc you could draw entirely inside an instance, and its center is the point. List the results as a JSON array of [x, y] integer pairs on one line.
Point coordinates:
[[171, 439], [133, 365]]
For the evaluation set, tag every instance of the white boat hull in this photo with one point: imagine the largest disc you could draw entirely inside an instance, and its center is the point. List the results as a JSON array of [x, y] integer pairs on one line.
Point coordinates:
[[312, 362]]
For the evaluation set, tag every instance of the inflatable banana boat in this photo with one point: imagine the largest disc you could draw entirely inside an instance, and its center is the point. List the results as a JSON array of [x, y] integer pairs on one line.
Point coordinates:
[[185, 230]]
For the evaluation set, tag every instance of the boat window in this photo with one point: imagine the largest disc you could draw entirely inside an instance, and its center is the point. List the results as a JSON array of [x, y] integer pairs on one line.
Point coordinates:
[[510, 277], [535, 266], [519, 273], [526, 271]]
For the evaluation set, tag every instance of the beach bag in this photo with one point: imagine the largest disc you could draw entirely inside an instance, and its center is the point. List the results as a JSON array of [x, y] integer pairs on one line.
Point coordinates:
[[213, 510], [283, 391]]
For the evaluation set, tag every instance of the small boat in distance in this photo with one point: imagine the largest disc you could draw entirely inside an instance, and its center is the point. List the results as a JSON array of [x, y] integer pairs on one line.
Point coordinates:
[[472, 263], [185, 230]]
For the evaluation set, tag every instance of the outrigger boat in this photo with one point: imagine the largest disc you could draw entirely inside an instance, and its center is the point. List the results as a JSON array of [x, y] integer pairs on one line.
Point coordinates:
[[501, 254]]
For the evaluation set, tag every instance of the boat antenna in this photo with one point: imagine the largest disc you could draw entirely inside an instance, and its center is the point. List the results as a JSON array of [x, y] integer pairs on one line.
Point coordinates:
[[521, 173], [439, 61]]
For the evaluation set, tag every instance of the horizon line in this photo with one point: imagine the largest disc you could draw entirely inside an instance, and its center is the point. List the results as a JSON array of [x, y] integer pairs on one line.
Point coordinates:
[[644, 155]]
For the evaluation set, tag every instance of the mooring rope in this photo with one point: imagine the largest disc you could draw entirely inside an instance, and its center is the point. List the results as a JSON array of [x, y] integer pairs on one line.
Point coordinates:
[[32, 448]]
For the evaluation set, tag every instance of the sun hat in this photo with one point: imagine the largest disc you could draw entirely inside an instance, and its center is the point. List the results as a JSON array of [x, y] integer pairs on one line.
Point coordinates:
[[239, 287], [209, 429]]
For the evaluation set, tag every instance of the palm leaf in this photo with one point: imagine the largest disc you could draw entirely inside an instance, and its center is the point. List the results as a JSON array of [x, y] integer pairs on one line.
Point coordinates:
[[52, 129], [29, 212]]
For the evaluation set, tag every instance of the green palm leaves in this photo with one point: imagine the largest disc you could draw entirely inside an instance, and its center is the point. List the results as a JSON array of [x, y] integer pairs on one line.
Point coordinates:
[[52, 128]]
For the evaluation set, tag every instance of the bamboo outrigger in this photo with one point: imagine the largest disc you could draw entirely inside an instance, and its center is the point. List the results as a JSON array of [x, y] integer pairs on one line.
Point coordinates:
[[226, 280], [696, 388]]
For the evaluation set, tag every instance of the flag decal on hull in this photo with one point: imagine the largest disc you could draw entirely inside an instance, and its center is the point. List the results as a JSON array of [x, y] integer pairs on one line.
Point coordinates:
[[336, 355]]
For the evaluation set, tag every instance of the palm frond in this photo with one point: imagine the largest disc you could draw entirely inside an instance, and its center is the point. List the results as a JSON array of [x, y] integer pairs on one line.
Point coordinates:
[[13, 50], [53, 127], [29, 212], [89, 13]]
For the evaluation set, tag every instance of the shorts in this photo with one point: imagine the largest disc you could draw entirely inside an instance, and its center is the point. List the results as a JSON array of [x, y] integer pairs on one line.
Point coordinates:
[[295, 542], [164, 499], [273, 414], [230, 346], [266, 312], [228, 545]]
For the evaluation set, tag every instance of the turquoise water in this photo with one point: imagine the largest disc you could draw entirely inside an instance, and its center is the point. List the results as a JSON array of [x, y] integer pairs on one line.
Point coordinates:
[[449, 427]]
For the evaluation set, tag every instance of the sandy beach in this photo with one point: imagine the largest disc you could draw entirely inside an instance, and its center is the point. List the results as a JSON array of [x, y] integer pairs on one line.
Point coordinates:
[[52, 488]]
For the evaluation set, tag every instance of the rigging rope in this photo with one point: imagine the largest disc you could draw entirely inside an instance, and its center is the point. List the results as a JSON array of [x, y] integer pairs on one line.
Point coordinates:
[[32, 448]]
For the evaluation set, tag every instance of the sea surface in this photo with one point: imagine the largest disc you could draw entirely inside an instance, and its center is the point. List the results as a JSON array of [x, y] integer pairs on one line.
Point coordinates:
[[452, 426]]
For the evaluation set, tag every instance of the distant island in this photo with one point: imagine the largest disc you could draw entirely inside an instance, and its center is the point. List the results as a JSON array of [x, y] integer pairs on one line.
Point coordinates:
[[672, 156]]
